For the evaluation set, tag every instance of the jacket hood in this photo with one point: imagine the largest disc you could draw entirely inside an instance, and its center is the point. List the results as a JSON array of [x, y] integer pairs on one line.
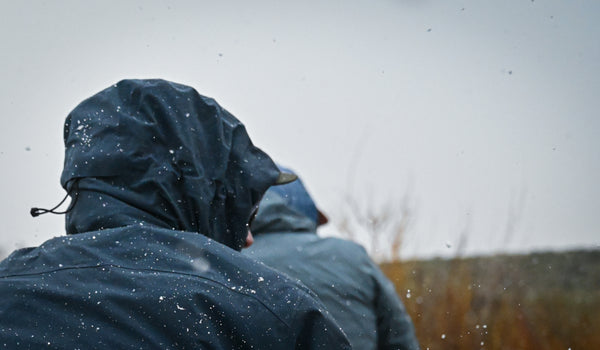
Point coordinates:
[[286, 208], [158, 153]]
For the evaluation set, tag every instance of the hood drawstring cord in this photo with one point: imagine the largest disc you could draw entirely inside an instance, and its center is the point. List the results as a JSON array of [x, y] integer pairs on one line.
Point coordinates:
[[39, 211]]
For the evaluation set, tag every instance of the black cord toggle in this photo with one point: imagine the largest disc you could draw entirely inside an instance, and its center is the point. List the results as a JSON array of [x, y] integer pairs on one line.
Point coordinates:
[[39, 211]]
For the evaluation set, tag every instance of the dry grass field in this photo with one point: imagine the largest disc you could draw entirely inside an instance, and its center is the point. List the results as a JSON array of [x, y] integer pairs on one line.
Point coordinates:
[[535, 301]]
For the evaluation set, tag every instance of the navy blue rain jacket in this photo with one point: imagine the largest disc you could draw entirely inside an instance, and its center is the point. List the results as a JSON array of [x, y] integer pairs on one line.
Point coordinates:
[[163, 181]]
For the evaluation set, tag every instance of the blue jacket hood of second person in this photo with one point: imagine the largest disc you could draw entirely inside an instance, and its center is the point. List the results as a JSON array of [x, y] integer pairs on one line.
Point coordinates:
[[153, 152], [286, 208]]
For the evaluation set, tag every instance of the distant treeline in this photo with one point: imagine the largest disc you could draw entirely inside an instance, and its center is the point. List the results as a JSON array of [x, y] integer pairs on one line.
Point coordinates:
[[535, 301]]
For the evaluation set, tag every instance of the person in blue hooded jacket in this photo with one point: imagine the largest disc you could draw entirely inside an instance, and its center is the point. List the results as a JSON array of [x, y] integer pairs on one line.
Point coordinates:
[[163, 183], [352, 287]]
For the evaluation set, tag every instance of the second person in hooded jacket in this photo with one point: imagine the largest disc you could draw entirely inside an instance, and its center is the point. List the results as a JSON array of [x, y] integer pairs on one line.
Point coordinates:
[[352, 287]]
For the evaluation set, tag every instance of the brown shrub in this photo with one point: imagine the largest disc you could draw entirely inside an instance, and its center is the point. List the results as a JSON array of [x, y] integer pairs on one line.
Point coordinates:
[[536, 301]]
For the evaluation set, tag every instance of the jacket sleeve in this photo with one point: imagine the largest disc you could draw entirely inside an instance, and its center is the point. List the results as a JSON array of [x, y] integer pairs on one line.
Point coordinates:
[[315, 328], [394, 326]]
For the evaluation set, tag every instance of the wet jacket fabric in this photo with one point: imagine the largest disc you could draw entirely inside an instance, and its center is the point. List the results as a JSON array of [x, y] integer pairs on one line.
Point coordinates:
[[158, 152], [153, 288], [348, 282], [163, 181]]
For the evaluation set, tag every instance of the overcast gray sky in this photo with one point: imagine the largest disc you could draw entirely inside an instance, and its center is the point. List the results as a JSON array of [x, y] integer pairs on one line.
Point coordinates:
[[484, 112]]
